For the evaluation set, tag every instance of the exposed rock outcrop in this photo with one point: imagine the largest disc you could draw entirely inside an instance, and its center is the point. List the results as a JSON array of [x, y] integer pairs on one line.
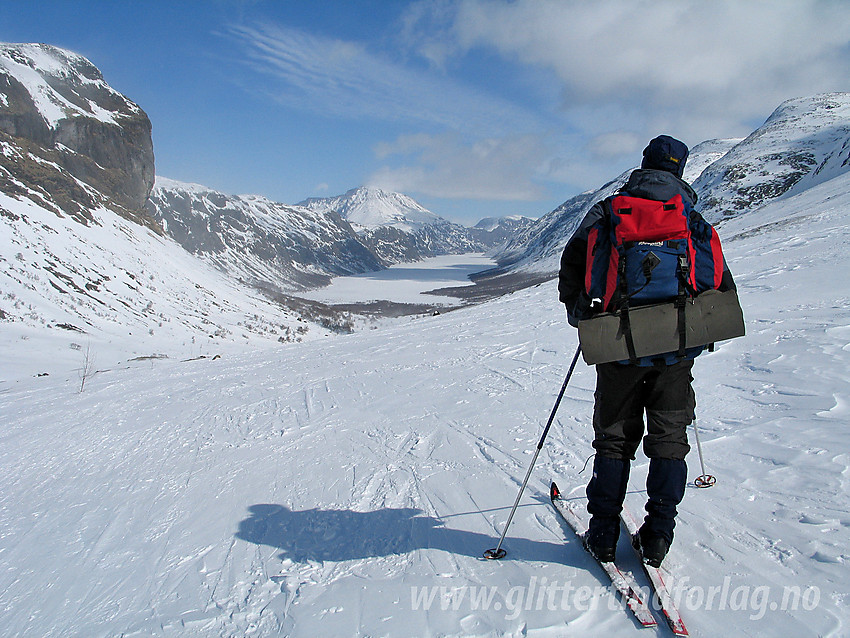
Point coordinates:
[[70, 125]]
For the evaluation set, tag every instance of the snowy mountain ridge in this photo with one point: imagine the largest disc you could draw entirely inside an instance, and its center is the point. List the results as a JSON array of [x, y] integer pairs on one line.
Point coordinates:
[[291, 248], [803, 142], [399, 229], [83, 92], [371, 208], [266, 244]]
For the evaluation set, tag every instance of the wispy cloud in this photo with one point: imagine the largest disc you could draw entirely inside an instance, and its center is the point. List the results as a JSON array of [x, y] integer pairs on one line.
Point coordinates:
[[345, 79]]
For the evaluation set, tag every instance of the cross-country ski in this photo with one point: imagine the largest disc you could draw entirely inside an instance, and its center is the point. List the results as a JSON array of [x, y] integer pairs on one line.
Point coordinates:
[[623, 582], [661, 581]]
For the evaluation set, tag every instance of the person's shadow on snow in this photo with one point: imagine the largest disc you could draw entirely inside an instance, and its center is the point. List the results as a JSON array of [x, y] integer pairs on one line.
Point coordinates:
[[338, 535]]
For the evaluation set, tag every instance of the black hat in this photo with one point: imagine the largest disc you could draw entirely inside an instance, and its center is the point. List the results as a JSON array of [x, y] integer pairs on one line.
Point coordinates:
[[667, 154]]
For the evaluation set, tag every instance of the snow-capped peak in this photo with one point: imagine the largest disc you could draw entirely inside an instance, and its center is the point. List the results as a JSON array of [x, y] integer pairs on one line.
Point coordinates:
[[371, 208]]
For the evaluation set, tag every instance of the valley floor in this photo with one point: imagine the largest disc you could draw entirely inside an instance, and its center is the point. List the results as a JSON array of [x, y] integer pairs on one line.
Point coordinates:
[[407, 283]]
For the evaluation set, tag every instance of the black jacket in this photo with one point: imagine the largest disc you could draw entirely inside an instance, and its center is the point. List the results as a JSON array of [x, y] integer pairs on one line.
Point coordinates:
[[647, 183]]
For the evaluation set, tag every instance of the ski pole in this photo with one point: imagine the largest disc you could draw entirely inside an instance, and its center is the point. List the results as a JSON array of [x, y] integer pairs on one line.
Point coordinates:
[[704, 480], [498, 552]]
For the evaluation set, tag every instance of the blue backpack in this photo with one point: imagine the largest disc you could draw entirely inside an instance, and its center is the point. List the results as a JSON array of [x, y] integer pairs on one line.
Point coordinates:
[[645, 252]]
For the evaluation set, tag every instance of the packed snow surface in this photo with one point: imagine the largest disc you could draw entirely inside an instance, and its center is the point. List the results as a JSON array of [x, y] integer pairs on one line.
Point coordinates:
[[329, 488]]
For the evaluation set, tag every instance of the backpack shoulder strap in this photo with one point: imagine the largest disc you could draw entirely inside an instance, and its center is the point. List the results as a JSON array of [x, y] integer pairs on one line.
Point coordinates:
[[602, 260]]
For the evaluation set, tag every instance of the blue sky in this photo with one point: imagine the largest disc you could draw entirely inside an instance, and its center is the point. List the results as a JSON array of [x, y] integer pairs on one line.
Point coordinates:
[[473, 107]]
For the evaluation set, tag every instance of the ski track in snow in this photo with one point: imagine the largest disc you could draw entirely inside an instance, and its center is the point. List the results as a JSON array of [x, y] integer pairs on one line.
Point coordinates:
[[306, 490]]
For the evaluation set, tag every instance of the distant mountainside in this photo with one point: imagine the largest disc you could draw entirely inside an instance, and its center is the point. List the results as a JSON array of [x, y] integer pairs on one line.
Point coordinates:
[[264, 243], [496, 231], [289, 248], [399, 229], [804, 142]]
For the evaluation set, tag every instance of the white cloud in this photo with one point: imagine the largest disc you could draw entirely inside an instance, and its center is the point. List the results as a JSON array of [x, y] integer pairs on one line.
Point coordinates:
[[424, 29], [614, 145], [707, 68], [445, 166]]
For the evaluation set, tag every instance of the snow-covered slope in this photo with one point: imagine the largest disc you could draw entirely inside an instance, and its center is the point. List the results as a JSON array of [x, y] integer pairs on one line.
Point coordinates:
[[349, 486], [252, 238], [804, 142], [119, 288]]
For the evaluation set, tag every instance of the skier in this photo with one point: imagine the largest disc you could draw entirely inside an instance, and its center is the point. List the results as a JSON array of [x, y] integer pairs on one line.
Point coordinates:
[[659, 385]]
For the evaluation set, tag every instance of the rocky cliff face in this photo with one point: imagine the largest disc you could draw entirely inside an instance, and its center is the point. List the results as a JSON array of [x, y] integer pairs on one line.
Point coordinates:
[[69, 126]]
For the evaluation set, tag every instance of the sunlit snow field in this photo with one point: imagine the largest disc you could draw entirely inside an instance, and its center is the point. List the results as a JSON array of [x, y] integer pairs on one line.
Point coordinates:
[[330, 488]]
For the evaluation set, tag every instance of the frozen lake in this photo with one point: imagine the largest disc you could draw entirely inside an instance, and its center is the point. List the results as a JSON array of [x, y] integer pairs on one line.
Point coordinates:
[[405, 283]]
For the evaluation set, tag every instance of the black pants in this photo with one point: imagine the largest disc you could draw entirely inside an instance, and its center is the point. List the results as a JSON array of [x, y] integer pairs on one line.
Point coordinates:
[[625, 392]]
